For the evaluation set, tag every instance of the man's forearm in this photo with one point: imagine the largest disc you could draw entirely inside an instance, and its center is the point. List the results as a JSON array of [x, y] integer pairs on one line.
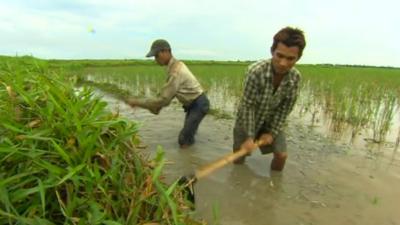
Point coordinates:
[[280, 117], [153, 105]]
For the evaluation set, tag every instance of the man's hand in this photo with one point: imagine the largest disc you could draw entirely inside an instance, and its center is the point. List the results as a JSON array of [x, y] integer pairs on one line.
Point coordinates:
[[154, 110], [133, 102], [265, 139], [142, 103], [249, 145]]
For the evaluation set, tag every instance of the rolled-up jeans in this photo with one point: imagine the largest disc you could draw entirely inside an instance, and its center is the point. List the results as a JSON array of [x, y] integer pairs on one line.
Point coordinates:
[[195, 113]]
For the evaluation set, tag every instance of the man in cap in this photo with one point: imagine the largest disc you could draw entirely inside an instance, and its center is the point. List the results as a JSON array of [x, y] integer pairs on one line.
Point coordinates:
[[183, 85], [270, 92]]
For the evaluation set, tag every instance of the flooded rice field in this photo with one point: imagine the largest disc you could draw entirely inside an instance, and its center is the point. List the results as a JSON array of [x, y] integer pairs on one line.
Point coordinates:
[[325, 181]]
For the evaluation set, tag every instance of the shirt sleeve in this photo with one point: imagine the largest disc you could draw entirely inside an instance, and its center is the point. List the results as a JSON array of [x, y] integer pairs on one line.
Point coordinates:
[[284, 110], [247, 114], [169, 90], [167, 93]]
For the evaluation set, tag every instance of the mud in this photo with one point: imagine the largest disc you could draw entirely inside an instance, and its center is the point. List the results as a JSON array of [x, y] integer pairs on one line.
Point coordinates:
[[324, 182]]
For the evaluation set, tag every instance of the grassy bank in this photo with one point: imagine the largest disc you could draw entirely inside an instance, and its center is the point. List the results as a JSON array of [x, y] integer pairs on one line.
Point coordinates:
[[64, 159]]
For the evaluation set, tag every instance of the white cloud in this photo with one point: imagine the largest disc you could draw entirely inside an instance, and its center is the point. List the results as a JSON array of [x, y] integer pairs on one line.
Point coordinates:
[[338, 32]]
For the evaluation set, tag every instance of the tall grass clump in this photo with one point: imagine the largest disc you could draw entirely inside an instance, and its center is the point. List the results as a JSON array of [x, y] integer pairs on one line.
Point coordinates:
[[64, 159]]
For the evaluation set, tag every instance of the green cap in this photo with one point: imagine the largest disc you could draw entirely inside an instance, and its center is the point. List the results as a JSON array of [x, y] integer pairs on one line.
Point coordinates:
[[158, 45]]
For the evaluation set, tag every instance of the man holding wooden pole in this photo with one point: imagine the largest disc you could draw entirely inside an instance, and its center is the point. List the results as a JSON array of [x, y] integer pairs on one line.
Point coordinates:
[[270, 92]]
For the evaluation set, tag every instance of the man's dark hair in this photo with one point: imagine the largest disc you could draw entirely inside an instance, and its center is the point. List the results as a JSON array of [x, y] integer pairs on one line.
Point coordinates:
[[290, 37]]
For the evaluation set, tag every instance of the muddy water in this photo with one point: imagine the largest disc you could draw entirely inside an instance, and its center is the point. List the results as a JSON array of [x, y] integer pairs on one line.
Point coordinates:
[[323, 182]]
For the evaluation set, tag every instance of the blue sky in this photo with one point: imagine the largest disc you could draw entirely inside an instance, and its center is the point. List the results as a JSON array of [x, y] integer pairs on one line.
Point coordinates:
[[341, 31]]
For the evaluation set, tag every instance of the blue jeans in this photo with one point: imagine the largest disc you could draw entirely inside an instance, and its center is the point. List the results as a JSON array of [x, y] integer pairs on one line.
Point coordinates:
[[195, 113]]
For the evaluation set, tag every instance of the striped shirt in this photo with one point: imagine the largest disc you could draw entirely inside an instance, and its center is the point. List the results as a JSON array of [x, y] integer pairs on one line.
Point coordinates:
[[261, 105]]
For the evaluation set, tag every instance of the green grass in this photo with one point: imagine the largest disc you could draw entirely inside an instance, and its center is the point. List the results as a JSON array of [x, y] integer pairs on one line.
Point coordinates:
[[64, 159]]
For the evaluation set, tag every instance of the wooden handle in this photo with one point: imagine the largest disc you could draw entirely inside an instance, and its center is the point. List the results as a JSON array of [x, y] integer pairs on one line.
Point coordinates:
[[229, 158]]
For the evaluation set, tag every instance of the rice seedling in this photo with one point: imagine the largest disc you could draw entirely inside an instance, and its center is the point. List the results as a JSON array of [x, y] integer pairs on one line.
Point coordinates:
[[396, 146], [367, 102], [343, 97], [326, 93], [382, 116]]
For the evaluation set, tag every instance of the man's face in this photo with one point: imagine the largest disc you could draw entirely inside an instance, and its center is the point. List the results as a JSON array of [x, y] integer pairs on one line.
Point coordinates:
[[284, 58], [162, 57]]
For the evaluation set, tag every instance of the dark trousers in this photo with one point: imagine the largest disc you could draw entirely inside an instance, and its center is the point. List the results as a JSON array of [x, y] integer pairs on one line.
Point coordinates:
[[195, 113]]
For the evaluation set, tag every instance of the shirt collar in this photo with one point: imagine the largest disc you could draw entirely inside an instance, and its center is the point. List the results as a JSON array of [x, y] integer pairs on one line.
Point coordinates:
[[286, 79], [170, 63]]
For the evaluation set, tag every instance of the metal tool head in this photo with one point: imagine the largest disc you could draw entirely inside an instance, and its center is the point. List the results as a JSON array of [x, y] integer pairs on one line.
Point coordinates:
[[187, 183]]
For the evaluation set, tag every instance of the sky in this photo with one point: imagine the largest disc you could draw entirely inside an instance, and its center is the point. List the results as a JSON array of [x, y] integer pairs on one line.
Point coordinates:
[[354, 32]]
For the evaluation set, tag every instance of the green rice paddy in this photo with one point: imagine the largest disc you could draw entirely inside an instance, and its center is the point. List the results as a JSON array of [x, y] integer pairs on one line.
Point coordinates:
[[356, 97]]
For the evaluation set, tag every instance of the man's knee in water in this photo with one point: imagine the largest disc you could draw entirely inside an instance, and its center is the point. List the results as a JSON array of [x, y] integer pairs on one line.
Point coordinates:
[[278, 162], [280, 156]]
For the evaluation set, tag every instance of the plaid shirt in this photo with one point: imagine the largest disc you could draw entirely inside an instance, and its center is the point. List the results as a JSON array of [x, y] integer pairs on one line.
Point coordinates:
[[260, 106]]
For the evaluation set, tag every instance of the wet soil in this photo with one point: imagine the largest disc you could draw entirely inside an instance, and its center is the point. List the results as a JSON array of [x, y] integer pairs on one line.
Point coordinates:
[[324, 182]]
